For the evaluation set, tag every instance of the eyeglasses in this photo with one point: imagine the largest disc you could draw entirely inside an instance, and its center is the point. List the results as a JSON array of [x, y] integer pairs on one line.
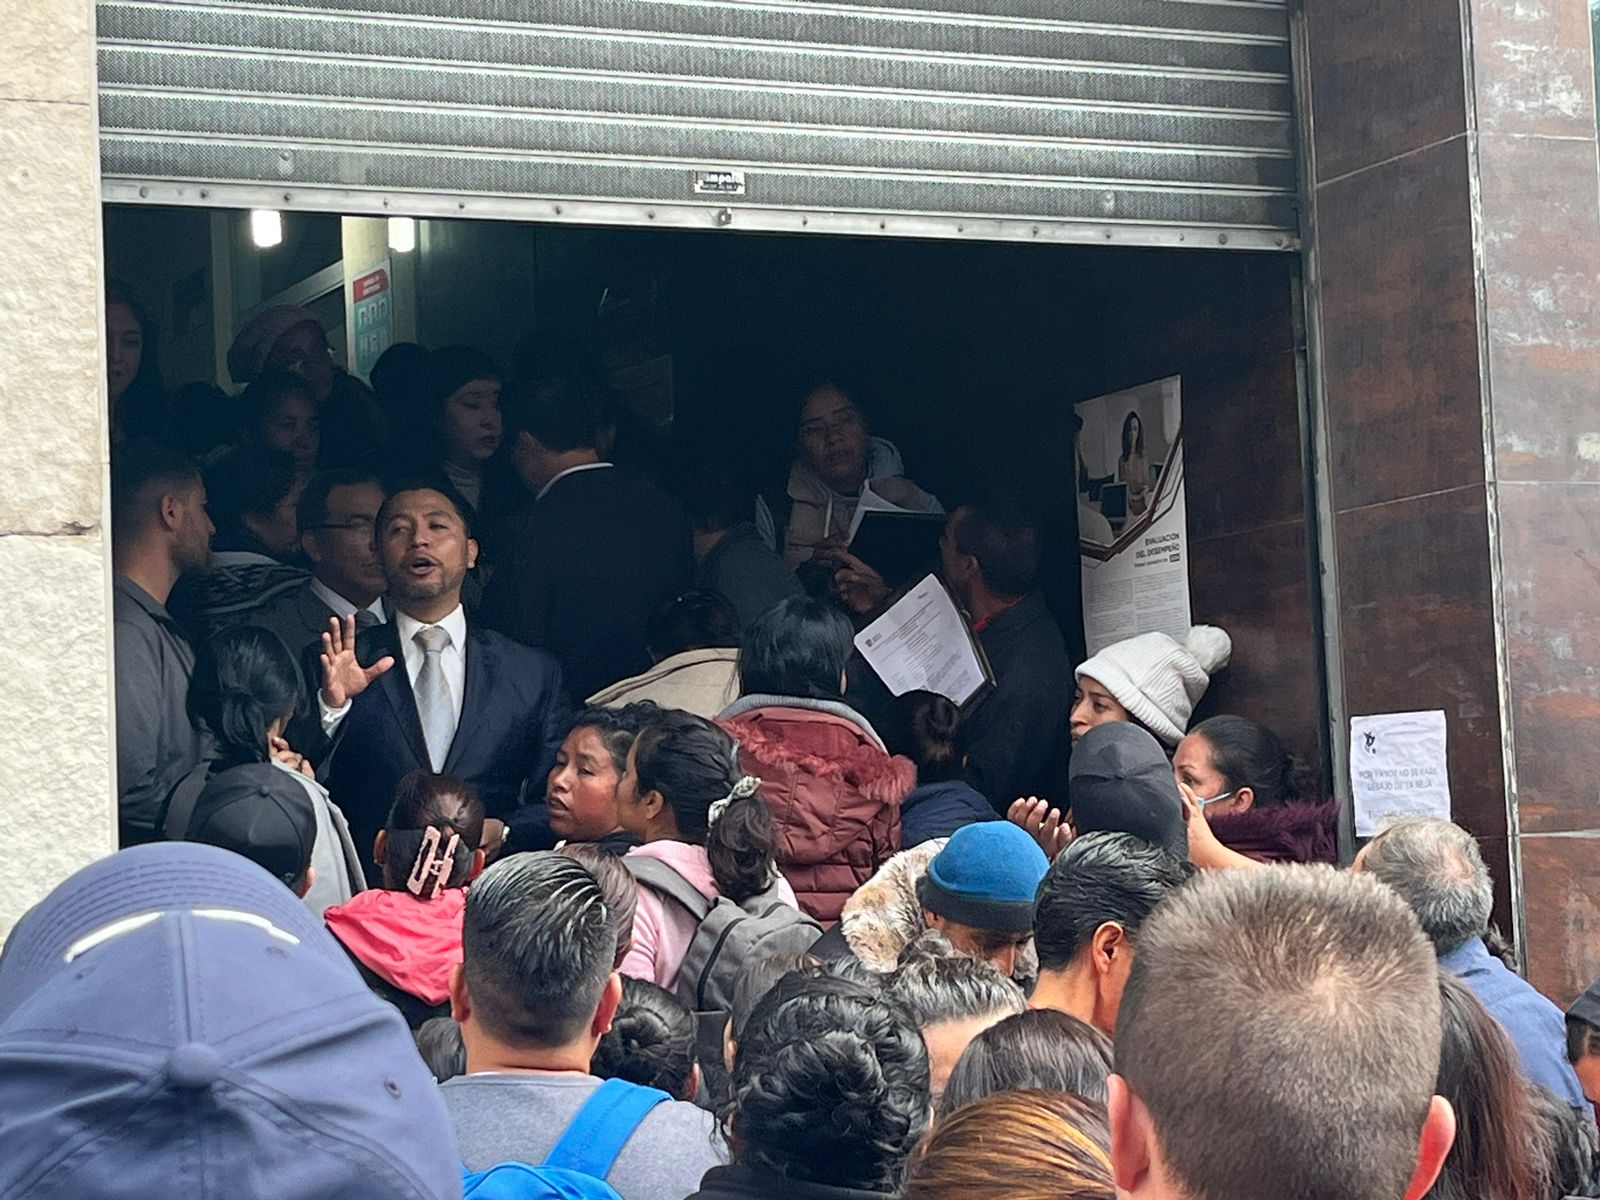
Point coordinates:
[[353, 525]]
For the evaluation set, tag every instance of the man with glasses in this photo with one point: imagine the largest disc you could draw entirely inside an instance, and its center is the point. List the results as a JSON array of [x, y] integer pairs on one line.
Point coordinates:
[[335, 516]]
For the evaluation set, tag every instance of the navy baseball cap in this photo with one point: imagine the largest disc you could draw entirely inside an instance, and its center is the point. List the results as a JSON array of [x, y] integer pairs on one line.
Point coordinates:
[[173, 1021]]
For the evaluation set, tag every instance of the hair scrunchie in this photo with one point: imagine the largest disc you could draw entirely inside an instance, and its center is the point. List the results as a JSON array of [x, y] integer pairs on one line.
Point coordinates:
[[743, 790]]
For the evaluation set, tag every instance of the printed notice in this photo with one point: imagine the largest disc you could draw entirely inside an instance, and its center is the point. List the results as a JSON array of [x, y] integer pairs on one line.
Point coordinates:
[[921, 643], [1398, 769], [1133, 522]]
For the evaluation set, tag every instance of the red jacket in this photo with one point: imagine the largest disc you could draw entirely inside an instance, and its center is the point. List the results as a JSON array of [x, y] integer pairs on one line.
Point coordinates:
[[834, 793]]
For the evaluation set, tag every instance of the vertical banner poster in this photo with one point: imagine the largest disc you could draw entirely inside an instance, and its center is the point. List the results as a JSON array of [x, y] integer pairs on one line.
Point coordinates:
[[371, 304], [1132, 519]]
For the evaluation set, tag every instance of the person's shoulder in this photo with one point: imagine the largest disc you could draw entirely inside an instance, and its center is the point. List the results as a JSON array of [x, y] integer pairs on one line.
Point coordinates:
[[528, 662], [673, 1122]]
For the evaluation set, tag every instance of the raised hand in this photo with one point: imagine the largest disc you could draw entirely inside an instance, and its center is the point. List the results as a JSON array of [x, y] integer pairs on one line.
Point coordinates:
[[858, 587], [1044, 824], [343, 676]]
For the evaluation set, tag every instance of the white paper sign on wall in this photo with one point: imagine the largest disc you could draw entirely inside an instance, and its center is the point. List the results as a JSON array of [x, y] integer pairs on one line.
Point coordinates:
[[1398, 769]]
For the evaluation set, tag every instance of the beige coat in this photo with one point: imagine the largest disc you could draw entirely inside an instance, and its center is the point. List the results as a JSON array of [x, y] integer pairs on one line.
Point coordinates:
[[703, 682]]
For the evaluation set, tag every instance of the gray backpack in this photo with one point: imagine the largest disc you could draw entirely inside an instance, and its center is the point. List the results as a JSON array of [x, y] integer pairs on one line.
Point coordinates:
[[727, 935]]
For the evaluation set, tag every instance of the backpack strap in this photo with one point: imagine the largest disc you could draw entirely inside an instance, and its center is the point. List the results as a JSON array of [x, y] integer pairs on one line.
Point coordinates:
[[608, 1118], [667, 881], [182, 799]]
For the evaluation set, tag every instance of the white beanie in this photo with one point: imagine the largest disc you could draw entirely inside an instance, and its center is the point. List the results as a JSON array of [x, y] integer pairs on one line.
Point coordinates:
[[1159, 681]]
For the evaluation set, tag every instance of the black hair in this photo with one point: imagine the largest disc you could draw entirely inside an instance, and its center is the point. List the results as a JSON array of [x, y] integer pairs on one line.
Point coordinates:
[[537, 946], [1004, 538], [798, 647], [713, 500], [830, 1085], [263, 394], [566, 412], [757, 977], [312, 510], [937, 983], [1135, 446], [651, 1041], [617, 885], [244, 679], [142, 410], [1100, 877], [693, 620], [694, 764], [425, 483], [924, 727], [1573, 1144], [424, 801], [828, 382], [203, 420], [141, 472], [403, 380], [618, 727], [439, 1042], [249, 481], [1582, 1038], [1038, 1049], [1249, 755], [456, 366]]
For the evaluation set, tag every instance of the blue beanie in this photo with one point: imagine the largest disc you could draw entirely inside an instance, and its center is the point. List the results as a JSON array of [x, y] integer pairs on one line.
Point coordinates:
[[985, 877]]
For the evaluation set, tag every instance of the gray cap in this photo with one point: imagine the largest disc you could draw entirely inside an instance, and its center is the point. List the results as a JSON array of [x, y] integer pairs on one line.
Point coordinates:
[[1119, 780]]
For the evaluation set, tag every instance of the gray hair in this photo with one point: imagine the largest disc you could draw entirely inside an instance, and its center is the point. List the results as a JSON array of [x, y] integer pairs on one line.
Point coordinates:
[[937, 983], [1438, 870]]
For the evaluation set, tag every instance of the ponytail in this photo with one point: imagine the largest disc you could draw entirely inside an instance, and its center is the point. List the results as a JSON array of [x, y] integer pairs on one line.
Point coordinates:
[[925, 727], [434, 828], [695, 766], [244, 680]]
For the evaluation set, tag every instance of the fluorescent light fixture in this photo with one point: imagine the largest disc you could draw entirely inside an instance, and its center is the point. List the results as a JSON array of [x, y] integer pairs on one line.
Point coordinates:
[[402, 234], [266, 227]]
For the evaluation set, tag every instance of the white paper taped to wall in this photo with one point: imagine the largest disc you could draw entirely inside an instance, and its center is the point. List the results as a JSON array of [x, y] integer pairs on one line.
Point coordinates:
[[1398, 769]]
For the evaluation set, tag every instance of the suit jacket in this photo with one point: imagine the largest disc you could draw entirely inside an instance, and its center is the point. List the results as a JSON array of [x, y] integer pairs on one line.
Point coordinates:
[[514, 715], [583, 569]]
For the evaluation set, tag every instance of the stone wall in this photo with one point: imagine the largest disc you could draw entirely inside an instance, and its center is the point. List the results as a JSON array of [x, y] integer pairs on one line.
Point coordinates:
[[57, 760]]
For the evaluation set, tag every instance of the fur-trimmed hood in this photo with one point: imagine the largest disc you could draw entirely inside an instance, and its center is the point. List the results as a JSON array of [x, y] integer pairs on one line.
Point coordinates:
[[1298, 832], [824, 776], [886, 913]]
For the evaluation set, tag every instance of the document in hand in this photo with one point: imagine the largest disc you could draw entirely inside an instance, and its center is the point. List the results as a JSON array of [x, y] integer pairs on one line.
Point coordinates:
[[922, 643]]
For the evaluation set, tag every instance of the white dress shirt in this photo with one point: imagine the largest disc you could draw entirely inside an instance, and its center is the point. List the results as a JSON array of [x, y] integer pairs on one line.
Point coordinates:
[[345, 608], [453, 659], [594, 466]]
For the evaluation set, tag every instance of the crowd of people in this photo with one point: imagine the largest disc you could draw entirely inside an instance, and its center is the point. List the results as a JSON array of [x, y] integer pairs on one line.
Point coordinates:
[[502, 822]]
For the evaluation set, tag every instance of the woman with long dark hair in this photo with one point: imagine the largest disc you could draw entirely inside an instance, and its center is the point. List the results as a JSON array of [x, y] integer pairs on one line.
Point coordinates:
[[134, 391], [832, 787], [683, 795], [244, 691], [1133, 468]]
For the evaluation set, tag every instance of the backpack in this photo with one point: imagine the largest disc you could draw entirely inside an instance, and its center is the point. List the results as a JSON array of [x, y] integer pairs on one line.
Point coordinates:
[[576, 1167], [727, 935]]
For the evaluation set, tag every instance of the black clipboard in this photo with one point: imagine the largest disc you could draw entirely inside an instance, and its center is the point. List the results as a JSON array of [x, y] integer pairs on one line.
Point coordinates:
[[900, 546]]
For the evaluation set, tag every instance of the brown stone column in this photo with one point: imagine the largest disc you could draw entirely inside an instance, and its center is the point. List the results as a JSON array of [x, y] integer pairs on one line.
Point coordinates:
[[1454, 266]]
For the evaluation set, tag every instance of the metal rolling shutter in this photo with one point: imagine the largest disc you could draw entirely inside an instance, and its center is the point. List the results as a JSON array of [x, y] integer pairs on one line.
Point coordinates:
[[1142, 121]]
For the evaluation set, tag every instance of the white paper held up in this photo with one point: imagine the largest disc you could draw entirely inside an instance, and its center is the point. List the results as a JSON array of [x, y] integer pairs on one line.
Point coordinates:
[[921, 643]]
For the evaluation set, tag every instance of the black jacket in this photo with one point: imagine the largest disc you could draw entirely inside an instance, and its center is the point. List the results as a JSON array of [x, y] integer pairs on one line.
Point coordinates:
[[1016, 738], [936, 810], [514, 715], [582, 570], [754, 1183]]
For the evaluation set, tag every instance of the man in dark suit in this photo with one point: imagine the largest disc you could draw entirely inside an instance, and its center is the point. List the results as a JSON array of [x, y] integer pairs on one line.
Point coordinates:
[[598, 550], [336, 514], [465, 701]]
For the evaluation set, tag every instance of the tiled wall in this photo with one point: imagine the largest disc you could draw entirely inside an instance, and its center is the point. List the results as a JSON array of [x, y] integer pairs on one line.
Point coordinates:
[[1458, 248]]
